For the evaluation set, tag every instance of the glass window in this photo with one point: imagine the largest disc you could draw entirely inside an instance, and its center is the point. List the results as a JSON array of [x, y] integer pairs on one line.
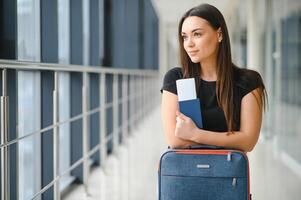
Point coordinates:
[[284, 91], [290, 83], [64, 31], [64, 91], [28, 12], [64, 129], [29, 149], [101, 30], [86, 27]]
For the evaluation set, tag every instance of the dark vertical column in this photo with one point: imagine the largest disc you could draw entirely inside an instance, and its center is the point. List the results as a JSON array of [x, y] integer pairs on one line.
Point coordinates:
[[0, 123], [108, 39], [94, 57], [109, 111], [101, 30], [47, 87], [109, 60], [132, 34], [49, 54], [150, 36], [12, 132], [49, 31], [8, 42], [94, 118], [76, 126], [8, 29], [155, 47], [120, 104], [141, 33], [118, 34], [76, 31], [129, 115]]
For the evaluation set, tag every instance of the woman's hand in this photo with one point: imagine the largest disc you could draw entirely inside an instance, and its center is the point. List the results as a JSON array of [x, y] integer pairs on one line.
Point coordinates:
[[185, 127]]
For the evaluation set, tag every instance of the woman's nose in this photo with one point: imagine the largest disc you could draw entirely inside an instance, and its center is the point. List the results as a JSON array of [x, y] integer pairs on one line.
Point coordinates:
[[190, 41]]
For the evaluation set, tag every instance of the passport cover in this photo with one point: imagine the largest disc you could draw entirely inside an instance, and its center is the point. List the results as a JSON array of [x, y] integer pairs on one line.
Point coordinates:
[[192, 109]]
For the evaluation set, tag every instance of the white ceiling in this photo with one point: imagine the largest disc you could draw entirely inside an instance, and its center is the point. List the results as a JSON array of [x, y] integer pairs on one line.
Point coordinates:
[[170, 11]]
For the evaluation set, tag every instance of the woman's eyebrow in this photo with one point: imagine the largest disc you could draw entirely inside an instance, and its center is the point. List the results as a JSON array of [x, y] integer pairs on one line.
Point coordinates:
[[197, 29]]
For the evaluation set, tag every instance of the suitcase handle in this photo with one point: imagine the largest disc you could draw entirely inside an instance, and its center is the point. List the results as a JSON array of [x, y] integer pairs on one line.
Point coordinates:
[[205, 147]]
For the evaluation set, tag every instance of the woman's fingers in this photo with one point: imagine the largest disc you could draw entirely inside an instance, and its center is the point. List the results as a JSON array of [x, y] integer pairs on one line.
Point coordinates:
[[179, 120], [182, 116]]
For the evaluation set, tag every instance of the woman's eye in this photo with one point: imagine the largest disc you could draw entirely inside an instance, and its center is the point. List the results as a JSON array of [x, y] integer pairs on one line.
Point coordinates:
[[197, 34], [184, 37]]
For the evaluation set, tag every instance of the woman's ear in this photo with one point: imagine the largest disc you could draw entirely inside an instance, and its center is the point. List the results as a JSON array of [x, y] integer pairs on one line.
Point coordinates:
[[219, 34]]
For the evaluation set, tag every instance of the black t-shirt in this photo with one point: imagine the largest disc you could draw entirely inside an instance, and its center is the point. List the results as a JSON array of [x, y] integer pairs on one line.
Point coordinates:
[[212, 115]]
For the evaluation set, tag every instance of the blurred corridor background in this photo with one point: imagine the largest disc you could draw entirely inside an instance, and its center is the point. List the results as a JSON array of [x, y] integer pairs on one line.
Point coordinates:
[[80, 94]]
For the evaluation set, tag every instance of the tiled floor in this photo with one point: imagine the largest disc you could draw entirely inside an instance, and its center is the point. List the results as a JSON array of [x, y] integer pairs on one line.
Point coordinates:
[[271, 179]]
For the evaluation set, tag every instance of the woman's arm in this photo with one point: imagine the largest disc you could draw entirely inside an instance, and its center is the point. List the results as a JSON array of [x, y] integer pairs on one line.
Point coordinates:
[[245, 139], [169, 106]]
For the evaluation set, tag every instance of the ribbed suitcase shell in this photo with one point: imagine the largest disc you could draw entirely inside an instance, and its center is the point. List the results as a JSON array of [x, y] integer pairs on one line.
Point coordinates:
[[204, 174]]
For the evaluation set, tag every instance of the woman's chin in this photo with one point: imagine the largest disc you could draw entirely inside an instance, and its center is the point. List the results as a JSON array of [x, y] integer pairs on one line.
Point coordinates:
[[195, 60]]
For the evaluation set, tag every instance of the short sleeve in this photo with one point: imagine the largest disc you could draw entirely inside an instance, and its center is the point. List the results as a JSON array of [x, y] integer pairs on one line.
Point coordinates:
[[169, 81], [253, 80]]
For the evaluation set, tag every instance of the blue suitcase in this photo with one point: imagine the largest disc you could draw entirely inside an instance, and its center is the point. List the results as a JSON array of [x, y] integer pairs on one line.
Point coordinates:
[[206, 173]]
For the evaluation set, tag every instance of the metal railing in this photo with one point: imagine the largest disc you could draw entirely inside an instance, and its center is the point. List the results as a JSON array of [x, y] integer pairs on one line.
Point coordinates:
[[133, 92]]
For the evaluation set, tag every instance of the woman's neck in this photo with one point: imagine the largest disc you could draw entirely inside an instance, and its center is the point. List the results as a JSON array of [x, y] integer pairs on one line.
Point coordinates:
[[208, 71]]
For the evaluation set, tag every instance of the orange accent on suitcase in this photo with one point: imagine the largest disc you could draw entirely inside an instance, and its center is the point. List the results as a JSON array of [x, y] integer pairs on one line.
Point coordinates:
[[202, 152]]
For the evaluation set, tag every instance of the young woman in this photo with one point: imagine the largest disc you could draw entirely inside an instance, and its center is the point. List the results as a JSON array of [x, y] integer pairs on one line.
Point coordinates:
[[232, 99]]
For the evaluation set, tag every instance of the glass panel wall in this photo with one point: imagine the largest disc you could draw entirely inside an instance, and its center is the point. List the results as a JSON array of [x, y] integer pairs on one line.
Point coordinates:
[[64, 129], [28, 122], [288, 26], [64, 90], [29, 149]]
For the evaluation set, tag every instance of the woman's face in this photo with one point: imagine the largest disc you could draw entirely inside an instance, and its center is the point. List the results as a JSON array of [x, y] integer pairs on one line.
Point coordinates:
[[200, 40]]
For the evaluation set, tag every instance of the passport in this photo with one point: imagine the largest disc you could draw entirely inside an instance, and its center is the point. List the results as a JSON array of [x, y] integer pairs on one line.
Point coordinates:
[[189, 104], [192, 109]]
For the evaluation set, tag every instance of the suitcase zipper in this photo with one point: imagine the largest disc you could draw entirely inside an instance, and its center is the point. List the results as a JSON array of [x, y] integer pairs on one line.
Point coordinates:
[[203, 166], [228, 153], [229, 156]]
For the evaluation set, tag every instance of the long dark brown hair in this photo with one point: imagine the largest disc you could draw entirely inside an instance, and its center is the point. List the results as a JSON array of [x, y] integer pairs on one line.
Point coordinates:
[[225, 67]]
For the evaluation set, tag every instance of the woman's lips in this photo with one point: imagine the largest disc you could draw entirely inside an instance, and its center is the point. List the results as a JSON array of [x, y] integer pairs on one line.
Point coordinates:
[[192, 52]]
